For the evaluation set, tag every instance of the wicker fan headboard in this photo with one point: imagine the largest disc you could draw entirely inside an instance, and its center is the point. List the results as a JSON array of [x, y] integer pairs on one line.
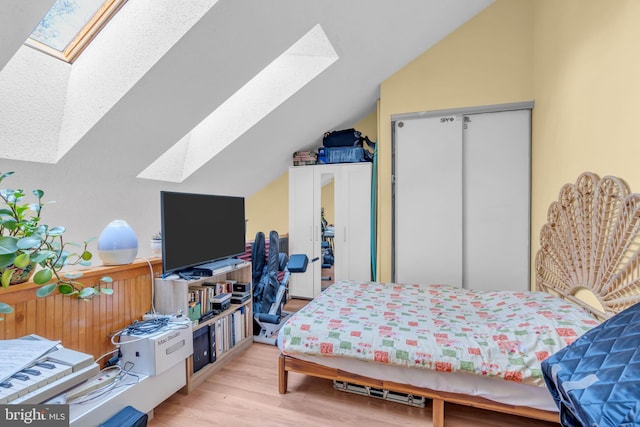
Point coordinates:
[[592, 242]]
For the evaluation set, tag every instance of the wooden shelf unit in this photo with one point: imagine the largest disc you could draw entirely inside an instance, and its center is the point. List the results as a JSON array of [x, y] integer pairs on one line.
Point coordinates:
[[171, 296]]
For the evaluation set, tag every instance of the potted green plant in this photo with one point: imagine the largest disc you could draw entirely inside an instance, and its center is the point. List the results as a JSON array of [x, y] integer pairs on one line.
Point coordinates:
[[156, 243], [29, 248]]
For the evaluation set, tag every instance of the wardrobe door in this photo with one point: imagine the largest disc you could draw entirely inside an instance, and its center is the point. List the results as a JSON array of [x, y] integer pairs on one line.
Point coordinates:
[[304, 201], [428, 200], [497, 200], [353, 213]]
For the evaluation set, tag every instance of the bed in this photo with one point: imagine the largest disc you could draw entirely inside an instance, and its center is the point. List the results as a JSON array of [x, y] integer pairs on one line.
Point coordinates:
[[479, 348]]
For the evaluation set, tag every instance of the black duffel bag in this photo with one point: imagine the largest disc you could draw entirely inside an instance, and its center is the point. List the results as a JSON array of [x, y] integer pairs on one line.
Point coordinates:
[[342, 138]]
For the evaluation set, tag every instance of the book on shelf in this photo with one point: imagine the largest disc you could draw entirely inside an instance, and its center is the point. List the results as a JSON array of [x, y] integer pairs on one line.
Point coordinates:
[[230, 330], [194, 311], [208, 297], [221, 286]]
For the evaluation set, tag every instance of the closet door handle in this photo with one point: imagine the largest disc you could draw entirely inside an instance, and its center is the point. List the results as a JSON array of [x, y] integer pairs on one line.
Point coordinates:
[[344, 234]]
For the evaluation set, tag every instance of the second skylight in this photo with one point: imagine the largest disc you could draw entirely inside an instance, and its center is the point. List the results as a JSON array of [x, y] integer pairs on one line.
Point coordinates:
[[278, 81]]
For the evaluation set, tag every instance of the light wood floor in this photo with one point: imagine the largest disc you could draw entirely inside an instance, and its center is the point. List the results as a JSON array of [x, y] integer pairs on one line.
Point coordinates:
[[245, 393]]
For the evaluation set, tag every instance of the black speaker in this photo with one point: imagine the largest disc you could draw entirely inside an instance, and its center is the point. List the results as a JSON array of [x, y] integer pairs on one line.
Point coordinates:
[[201, 348]]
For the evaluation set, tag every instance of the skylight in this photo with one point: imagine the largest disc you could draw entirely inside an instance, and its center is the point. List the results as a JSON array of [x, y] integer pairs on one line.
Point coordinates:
[[272, 86], [69, 26]]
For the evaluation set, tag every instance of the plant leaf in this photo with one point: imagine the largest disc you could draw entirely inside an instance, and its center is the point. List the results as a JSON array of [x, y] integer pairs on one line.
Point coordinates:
[[86, 255], [65, 288], [8, 245], [22, 261], [57, 231], [72, 276], [87, 293], [107, 291], [43, 276], [6, 278], [42, 256], [5, 308], [9, 223], [106, 279], [43, 291], [28, 243], [7, 260]]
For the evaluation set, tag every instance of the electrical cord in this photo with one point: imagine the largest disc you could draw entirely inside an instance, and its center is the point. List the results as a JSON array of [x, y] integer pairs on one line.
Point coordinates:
[[106, 354], [100, 391], [153, 308], [123, 373], [142, 327]]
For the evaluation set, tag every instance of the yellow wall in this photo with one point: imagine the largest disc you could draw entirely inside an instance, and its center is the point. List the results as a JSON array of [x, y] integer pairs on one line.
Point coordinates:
[[486, 61], [576, 59], [327, 201], [587, 92], [268, 209]]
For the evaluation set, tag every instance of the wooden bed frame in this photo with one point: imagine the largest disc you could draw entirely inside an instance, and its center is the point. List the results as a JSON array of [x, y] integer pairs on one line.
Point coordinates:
[[589, 254], [288, 364]]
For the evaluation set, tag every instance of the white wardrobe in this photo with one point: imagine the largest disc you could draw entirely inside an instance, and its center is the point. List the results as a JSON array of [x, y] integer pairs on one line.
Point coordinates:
[[352, 207], [461, 198]]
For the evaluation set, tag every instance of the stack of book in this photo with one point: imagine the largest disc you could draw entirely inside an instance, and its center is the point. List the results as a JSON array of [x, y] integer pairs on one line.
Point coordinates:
[[302, 158]]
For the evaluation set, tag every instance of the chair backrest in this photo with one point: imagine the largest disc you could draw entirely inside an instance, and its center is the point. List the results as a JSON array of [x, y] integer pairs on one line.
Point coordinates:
[[265, 288], [257, 258]]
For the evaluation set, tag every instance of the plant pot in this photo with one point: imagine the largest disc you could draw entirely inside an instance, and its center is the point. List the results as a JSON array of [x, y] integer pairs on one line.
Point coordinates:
[[156, 246], [20, 275]]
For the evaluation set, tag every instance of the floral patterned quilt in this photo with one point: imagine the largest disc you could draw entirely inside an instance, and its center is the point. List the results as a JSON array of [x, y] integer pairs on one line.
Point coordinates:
[[501, 334]]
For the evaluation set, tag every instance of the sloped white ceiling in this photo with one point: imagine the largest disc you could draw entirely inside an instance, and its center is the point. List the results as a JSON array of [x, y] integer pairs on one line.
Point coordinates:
[[17, 22], [162, 66], [178, 63]]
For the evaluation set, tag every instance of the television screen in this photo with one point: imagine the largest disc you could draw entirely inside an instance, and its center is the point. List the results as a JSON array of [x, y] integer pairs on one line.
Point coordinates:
[[200, 228]]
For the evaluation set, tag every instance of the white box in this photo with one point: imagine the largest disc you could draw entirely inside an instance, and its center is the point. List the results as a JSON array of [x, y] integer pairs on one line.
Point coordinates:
[[151, 354]]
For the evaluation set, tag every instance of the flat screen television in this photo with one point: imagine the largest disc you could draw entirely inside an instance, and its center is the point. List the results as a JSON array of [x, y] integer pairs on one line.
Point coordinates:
[[200, 228]]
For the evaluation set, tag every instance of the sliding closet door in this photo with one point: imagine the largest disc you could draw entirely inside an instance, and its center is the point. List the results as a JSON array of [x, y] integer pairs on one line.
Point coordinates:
[[496, 190], [428, 200]]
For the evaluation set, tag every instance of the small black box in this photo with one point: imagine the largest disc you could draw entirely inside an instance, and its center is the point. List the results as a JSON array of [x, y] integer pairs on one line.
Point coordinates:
[[221, 305], [201, 348], [241, 287]]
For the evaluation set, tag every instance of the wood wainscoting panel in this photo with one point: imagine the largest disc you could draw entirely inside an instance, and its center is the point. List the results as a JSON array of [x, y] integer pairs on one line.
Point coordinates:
[[80, 325]]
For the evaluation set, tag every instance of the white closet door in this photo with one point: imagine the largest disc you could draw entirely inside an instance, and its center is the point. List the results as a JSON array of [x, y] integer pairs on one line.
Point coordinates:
[[428, 200], [496, 200], [303, 229], [353, 230]]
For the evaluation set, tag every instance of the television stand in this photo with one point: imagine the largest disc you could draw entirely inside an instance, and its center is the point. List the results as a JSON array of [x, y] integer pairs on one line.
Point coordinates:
[[219, 338]]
